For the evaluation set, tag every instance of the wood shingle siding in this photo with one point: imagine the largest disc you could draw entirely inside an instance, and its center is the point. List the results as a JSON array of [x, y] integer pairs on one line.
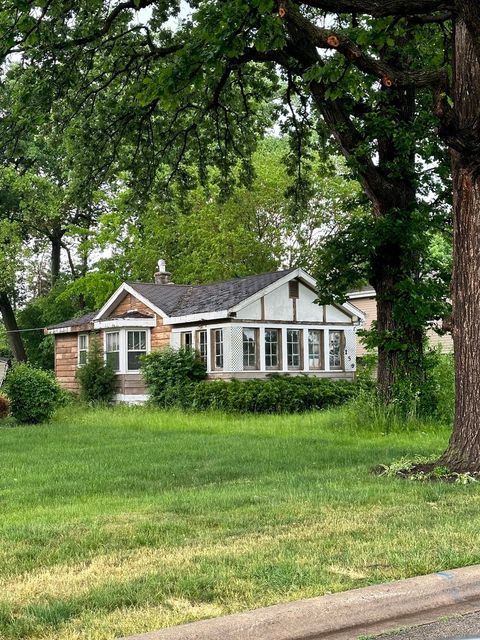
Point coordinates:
[[66, 361], [160, 333]]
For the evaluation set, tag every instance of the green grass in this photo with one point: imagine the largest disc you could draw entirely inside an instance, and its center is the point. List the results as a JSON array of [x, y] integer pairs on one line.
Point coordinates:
[[122, 521]]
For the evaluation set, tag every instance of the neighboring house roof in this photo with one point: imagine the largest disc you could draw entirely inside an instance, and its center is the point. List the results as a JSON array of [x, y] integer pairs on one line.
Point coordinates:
[[185, 303], [362, 292]]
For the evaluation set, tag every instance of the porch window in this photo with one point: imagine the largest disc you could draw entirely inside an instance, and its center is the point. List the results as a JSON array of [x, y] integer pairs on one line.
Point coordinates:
[[294, 348], [336, 339], [217, 348], [186, 339], [112, 349], [315, 342], [202, 345], [82, 349], [272, 350], [250, 348], [136, 347]]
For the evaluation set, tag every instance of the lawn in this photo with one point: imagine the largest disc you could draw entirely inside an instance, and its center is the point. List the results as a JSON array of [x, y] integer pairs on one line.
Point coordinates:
[[121, 521]]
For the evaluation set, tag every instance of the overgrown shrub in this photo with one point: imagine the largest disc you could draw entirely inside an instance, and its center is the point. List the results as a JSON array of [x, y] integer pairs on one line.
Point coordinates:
[[33, 393], [171, 374], [279, 394], [97, 378], [4, 406]]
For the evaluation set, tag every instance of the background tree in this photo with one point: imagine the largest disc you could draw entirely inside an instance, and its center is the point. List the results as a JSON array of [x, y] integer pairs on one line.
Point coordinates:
[[205, 78]]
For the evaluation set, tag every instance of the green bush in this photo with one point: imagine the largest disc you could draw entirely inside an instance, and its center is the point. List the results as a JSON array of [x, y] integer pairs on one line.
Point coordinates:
[[97, 379], [33, 393], [279, 394], [171, 374]]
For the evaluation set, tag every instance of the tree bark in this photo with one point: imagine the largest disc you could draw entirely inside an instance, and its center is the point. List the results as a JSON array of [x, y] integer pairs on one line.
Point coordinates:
[[463, 452], [14, 336], [55, 255]]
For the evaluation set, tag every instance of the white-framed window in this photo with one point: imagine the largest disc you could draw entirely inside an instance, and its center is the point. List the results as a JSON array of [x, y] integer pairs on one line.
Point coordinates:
[[112, 349], [249, 345], [336, 342], [315, 342], [186, 339], [202, 346], [272, 348], [217, 351], [82, 349], [136, 347], [294, 348]]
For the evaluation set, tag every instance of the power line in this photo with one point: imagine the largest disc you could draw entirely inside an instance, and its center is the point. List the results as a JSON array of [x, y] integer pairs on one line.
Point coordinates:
[[24, 330]]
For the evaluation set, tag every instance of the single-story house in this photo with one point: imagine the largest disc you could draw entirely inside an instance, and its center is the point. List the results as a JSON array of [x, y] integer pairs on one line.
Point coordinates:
[[365, 300], [243, 328]]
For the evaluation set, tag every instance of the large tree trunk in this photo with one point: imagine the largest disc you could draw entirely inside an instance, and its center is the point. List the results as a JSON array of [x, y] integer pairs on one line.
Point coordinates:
[[463, 453], [14, 336], [56, 254]]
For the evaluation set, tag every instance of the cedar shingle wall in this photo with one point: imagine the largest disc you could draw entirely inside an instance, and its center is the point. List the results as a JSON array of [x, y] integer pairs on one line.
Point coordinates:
[[66, 360], [160, 334]]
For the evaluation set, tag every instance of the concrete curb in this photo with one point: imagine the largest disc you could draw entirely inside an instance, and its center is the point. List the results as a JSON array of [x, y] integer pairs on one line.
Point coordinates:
[[346, 615]]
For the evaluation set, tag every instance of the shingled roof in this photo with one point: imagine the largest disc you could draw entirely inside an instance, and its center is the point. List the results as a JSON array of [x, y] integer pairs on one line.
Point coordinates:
[[182, 300]]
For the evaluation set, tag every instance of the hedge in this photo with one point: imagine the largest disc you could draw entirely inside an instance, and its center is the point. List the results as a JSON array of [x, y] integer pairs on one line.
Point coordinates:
[[279, 394]]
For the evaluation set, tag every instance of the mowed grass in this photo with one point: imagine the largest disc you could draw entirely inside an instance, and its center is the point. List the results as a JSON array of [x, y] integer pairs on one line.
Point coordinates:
[[119, 521]]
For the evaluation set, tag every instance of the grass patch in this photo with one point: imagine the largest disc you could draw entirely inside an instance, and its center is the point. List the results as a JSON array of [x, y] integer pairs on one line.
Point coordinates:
[[119, 521]]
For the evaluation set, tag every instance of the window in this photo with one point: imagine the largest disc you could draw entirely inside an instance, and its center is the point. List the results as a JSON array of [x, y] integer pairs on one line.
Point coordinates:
[[294, 348], [112, 349], [250, 349], [136, 347], [202, 345], [82, 349], [336, 348], [217, 348], [272, 351], [293, 289], [315, 342], [186, 339]]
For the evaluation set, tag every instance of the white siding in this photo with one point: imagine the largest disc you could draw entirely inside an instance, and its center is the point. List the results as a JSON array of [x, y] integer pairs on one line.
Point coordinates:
[[252, 311], [307, 310], [278, 304]]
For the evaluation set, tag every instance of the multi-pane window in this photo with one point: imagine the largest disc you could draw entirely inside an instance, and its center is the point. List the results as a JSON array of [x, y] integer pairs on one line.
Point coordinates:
[[272, 351], [315, 338], [336, 346], [186, 339], [217, 348], [294, 348], [249, 348], [82, 349], [202, 344], [112, 349], [136, 347]]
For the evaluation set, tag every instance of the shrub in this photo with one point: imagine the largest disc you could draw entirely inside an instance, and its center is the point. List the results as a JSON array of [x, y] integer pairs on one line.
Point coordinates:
[[97, 378], [33, 393], [4, 406], [279, 394], [170, 375]]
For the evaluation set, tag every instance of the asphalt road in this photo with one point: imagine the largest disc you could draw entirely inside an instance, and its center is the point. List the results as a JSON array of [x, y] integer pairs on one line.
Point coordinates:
[[456, 628]]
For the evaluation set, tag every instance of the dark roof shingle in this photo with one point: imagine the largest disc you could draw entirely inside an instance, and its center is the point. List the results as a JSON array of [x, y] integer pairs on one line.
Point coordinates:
[[183, 300]]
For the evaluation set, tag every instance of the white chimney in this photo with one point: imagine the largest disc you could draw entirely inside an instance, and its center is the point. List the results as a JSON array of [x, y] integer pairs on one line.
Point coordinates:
[[162, 276]]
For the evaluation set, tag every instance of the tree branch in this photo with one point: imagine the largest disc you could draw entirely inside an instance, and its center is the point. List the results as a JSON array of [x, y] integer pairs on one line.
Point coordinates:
[[380, 8], [327, 39]]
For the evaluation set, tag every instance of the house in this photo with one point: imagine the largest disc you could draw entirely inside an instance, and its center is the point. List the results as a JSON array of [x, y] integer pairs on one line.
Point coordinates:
[[248, 327], [365, 300]]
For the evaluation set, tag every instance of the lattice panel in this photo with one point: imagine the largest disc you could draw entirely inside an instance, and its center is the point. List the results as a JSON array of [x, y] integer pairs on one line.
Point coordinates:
[[350, 350], [236, 348]]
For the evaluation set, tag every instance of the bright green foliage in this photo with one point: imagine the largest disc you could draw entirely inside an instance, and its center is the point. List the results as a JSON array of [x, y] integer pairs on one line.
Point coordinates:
[[170, 375], [97, 378], [280, 394], [33, 394]]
